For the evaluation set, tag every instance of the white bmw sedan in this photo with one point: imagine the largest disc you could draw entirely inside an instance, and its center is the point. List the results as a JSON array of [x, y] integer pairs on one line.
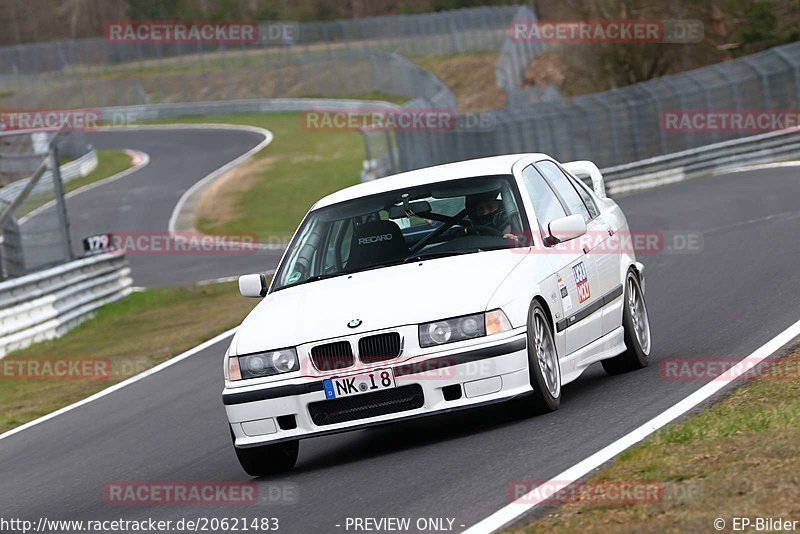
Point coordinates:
[[435, 290]]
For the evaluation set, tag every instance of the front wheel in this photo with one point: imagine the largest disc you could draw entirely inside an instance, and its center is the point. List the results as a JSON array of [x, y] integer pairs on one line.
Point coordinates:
[[543, 365], [268, 459], [636, 324]]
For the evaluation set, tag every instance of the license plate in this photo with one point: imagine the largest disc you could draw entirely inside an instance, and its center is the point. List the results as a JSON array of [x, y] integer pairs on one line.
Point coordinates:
[[347, 386]]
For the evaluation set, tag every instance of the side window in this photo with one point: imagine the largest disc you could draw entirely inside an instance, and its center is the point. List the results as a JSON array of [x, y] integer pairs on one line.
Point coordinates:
[[545, 202], [583, 191], [304, 255], [566, 190], [337, 245], [329, 260], [344, 246]]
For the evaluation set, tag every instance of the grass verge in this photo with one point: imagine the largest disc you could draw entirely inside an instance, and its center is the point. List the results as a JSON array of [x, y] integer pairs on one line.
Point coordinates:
[[109, 163], [471, 78], [135, 333], [298, 168], [737, 458]]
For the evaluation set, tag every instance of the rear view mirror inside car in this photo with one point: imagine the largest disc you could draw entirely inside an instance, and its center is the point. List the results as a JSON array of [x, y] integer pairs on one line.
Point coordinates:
[[420, 207]]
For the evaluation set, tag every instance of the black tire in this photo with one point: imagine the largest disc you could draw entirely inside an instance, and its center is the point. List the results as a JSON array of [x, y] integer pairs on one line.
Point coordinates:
[[541, 400], [635, 356], [268, 459]]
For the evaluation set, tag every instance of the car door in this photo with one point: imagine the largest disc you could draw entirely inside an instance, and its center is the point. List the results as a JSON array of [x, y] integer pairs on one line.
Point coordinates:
[[608, 249], [574, 270]]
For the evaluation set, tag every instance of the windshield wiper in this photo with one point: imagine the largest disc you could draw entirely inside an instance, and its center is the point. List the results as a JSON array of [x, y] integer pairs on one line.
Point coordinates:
[[310, 279], [414, 257], [434, 254], [322, 276], [443, 254], [325, 276]]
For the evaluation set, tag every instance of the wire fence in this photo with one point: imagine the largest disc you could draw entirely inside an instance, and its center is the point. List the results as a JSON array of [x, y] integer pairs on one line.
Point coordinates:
[[513, 61], [363, 59], [428, 34], [331, 74], [21, 153], [34, 233], [320, 59], [660, 116]]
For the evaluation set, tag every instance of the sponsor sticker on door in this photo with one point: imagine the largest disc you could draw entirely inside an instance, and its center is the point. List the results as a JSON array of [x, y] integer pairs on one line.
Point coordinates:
[[582, 281]]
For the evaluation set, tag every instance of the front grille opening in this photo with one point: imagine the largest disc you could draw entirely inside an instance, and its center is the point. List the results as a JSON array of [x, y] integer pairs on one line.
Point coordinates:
[[452, 392], [332, 356], [400, 399], [379, 347], [287, 422]]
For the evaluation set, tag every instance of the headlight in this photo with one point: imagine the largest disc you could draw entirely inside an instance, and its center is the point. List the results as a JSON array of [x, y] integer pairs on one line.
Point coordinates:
[[260, 364], [461, 328]]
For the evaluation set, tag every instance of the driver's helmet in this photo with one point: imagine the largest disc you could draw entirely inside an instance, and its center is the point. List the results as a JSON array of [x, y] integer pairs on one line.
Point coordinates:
[[483, 209]]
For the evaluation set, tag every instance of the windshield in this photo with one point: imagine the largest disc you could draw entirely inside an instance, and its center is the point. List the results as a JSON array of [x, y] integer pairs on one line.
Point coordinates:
[[435, 220]]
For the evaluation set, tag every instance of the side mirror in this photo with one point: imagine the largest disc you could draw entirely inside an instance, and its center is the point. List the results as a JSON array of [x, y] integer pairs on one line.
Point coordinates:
[[567, 228], [253, 285], [587, 169]]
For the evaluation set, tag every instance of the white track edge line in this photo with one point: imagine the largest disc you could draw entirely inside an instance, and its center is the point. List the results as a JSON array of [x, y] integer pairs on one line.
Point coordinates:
[[267, 139], [541, 493], [214, 174], [111, 389], [221, 170], [756, 167], [145, 159]]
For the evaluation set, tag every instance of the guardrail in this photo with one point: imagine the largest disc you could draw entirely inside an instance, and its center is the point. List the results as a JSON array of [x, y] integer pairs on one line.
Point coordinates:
[[46, 304], [21, 151], [123, 115], [679, 166], [380, 146], [77, 168]]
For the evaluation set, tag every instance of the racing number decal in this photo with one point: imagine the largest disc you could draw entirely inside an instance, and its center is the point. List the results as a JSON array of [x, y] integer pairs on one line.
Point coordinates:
[[582, 281]]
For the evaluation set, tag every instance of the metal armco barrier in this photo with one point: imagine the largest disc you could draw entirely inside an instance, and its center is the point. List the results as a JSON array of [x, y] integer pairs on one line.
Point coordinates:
[[624, 125], [46, 304], [76, 168], [661, 170], [124, 115]]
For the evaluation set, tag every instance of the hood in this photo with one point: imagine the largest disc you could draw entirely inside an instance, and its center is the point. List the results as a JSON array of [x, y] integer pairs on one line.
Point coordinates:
[[381, 298]]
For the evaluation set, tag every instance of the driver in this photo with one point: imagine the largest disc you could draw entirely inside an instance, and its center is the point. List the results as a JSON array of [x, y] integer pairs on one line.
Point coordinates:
[[483, 209]]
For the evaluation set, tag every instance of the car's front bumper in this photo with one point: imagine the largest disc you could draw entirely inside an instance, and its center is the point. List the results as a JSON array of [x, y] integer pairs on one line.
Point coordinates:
[[484, 373]]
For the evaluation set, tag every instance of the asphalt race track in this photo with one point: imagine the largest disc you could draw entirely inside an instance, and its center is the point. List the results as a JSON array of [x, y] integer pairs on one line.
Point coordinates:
[[143, 201], [724, 300]]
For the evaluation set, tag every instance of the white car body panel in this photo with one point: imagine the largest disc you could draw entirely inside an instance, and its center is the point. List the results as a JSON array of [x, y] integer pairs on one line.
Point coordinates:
[[398, 298], [321, 310]]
